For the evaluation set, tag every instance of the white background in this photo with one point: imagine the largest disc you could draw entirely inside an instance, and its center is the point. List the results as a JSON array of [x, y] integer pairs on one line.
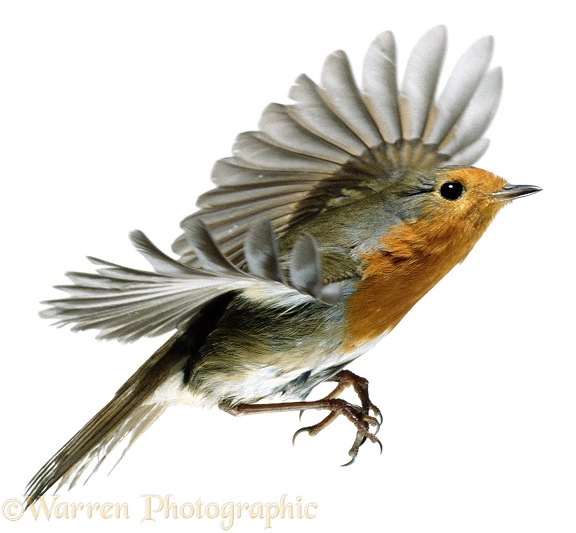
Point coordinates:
[[111, 116]]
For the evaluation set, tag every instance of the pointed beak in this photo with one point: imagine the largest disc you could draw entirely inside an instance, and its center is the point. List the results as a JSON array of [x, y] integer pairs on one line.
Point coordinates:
[[511, 192]]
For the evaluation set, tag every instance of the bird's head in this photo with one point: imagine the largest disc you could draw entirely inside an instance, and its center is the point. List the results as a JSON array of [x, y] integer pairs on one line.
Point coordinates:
[[446, 208]]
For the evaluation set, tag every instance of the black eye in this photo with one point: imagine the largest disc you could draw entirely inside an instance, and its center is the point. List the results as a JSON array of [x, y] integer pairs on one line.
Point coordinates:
[[451, 190]]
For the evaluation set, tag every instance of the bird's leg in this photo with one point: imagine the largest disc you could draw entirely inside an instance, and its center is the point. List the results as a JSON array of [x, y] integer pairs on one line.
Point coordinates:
[[358, 415]]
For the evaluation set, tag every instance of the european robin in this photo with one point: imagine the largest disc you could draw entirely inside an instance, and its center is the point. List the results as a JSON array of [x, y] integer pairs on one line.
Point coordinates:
[[325, 227]]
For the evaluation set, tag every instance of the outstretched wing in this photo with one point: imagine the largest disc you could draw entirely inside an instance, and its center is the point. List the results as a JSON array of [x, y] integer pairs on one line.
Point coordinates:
[[336, 142], [126, 304]]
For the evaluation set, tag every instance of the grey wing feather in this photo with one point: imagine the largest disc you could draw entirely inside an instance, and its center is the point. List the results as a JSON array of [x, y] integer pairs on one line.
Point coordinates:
[[305, 266], [159, 261], [471, 153], [253, 150], [311, 111], [379, 81], [478, 114], [460, 87], [261, 251], [227, 173], [211, 258], [126, 304], [340, 93], [424, 64], [281, 129], [306, 272], [336, 142]]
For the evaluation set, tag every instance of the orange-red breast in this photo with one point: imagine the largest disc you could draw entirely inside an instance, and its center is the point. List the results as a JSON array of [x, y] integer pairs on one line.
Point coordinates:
[[326, 226]]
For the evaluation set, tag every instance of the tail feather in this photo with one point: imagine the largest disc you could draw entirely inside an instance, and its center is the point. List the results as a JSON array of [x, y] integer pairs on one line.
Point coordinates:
[[125, 416], [138, 422]]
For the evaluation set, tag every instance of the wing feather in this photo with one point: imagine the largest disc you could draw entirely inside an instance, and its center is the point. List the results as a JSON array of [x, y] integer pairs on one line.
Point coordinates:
[[339, 91], [310, 111], [379, 81], [460, 87], [478, 114], [281, 129], [472, 152], [252, 150], [420, 81], [126, 304]]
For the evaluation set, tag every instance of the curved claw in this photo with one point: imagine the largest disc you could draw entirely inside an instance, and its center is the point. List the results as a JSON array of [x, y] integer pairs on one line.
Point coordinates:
[[351, 461], [372, 421], [301, 430], [377, 415], [356, 448], [377, 441]]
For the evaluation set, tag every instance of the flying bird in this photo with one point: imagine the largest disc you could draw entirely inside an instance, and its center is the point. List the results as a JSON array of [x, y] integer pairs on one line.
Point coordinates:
[[325, 227]]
